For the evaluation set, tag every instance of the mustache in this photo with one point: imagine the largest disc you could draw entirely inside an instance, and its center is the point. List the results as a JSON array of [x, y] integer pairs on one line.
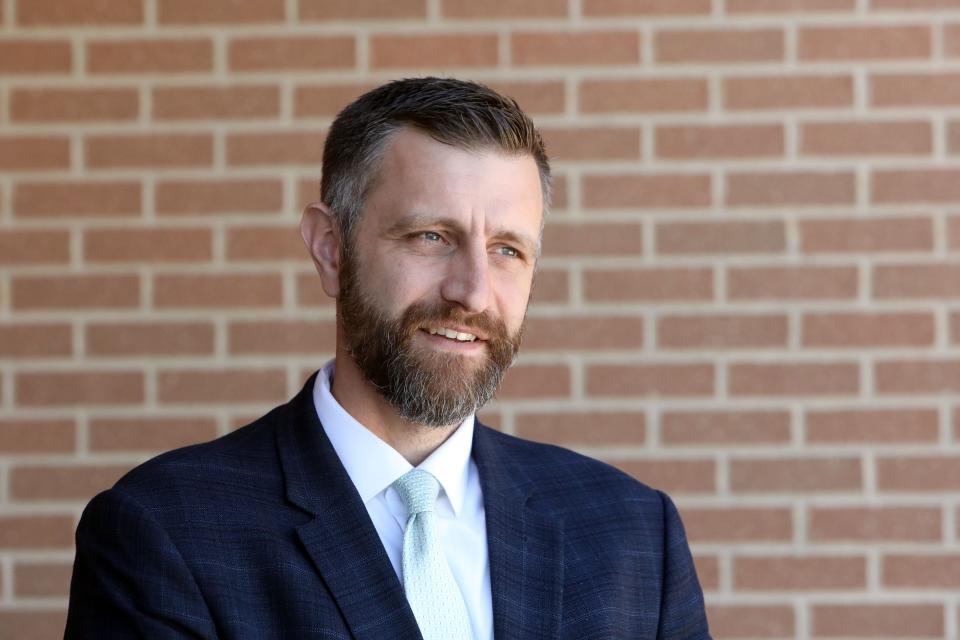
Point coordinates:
[[419, 314]]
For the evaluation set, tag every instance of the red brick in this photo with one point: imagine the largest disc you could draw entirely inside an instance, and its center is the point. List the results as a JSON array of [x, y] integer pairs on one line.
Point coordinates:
[[535, 381], [73, 105], [799, 573], [31, 340], [916, 281], [735, 428], [872, 425], [647, 95], [192, 197], [719, 46], [562, 239], [914, 89], [198, 386], [501, 10], [85, 388], [792, 283], [217, 291], [42, 579], [592, 143], [650, 380], [719, 141], [721, 331], [303, 53], [919, 473], [184, 244], [940, 571], [795, 475], [397, 51], [732, 525], [702, 238], [275, 148], [915, 185], [751, 621], [32, 623], [917, 376], [646, 191], [864, 42], [595, 333], [650, 284], [672, 476], [708, 571], [149, 434], [36, 531], [875, 524], [67, 482], [188, 12], [791, 6], [866, 138], [915, 5], [28, 435], [326, 100], [953, 232], [282, 336], [951, 40], [35, 56], [575, 47], [30, 247], [311, 294], [35, 13], [551, 285], [796, 378], [596, 8], [265, 243], [885, 620], [832, 235], [955, 328], [587, 428], [953, 137], [149, 150], [534, 96], [145, 55], [788, 92], [34, 152], [149, 338], [855, 330], [69, 199], [790, 188], [327, 10], [76, 292], [216, 103]]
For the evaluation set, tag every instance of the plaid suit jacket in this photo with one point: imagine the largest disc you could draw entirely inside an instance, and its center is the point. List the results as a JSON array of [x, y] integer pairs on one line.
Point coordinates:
[[261, 534]]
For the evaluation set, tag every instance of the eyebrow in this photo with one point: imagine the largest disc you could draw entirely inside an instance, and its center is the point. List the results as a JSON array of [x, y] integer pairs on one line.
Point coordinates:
[[414, 221]]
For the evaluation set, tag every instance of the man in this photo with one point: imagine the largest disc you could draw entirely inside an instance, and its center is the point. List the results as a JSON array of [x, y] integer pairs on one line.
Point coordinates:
[[373, 505]]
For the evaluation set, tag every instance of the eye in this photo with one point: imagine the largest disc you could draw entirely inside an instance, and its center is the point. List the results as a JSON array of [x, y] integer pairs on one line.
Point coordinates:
[[510, 252], [431, 236]]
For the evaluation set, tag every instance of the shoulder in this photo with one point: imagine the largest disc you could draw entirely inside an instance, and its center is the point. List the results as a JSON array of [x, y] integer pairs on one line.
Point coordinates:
[[561, 477]]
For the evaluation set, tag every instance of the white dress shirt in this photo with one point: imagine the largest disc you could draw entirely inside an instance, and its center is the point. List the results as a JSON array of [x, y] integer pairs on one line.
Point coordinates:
[[373, 466]]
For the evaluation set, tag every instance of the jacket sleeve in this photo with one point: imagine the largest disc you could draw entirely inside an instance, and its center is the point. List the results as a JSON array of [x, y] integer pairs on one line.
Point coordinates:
[[129, 579], [682, 613]]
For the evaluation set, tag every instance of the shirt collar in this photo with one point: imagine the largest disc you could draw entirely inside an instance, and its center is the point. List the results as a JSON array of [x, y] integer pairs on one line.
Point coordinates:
[[373, 465]]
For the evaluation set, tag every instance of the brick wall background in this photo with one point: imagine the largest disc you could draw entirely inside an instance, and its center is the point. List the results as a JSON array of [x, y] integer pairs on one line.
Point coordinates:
[[749, 297]]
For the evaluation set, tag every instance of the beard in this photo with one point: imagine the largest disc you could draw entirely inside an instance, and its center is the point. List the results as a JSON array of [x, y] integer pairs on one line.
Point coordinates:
[[425, 386]]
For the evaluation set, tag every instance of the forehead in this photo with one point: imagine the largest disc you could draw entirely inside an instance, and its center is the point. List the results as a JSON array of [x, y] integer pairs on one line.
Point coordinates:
[[421, 176]]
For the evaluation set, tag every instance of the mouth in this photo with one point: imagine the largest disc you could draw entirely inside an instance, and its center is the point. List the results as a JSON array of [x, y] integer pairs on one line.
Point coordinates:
[[453, 333]]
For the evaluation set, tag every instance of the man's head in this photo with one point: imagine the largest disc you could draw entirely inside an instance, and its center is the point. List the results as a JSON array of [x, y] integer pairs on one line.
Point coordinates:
[[428, 234]]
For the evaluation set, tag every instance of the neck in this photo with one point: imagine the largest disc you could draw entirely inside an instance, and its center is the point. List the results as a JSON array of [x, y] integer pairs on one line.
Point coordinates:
[[366, 405]]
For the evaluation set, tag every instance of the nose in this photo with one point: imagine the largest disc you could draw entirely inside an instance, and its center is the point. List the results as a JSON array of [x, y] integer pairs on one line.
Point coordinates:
[[468, 282]]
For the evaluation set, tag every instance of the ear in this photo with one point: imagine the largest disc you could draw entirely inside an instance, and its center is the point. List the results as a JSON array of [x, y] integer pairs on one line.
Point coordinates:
[[323, 242]]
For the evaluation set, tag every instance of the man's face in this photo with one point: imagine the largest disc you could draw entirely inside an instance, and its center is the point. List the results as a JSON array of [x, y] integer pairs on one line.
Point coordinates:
[[435, 288]]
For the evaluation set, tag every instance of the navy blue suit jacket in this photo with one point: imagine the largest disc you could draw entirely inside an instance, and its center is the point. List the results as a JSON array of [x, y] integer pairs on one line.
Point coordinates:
[[261, 534]]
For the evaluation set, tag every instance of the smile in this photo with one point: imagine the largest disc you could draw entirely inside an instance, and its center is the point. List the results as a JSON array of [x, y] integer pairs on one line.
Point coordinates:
[[459, 336]]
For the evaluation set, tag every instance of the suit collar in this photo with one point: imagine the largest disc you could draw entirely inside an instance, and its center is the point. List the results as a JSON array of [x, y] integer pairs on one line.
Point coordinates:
[[525, 545], [340, 540]]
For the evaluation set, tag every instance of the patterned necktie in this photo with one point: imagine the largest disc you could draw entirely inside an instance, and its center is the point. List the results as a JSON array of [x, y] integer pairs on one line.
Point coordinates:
[[432, 592]]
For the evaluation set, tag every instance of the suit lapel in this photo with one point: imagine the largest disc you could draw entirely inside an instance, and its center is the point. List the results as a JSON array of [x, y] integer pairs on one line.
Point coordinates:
[[525, 546], [341, 539]]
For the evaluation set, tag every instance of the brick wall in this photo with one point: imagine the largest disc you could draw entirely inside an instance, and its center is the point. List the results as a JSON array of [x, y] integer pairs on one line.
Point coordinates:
[[750, 293]]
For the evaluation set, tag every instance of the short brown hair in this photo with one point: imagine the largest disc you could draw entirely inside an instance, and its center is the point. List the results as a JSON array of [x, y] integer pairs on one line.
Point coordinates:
[[456, 112]]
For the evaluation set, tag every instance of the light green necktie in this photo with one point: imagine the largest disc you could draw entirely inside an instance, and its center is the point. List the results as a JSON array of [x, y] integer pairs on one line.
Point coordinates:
[[432, 592]]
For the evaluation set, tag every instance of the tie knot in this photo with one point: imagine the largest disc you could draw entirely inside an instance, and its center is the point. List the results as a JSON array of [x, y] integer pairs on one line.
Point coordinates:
[[418, 490]]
